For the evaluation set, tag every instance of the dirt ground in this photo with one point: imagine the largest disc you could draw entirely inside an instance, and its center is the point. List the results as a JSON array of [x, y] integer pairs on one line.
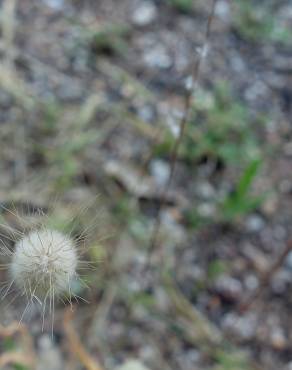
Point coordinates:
[[92, 98]]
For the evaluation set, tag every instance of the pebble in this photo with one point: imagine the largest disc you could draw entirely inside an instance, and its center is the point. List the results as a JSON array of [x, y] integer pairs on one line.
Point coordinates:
[[288, 261], [162, 299], [148, 353], [278, 339], [146, 113], [280, 281], [157, 57], [188, 359], [229, 287], [256, 91], [72, 91], [287, 148], [255, 223], [269, 207], [49, 357], [144, 14], [280, 233], [205, 190], [132, 365], [243, 326], [206, 209], [160, 170], [251, 282], [55, 4], [237, 63], [285, 186], [171, 230], [223, 10]]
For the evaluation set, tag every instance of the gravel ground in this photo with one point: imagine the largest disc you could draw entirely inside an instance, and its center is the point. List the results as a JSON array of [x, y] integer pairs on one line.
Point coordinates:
[[91, 99]]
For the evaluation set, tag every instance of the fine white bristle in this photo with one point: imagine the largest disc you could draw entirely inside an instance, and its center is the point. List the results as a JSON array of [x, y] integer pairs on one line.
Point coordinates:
[[44, 264]]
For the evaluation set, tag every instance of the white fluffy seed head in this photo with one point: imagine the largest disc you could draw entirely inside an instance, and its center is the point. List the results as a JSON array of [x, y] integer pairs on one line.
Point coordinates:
[[44, 263]]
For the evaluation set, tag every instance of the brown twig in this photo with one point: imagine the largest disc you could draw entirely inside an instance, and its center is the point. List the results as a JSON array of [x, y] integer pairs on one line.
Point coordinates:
[[14, 358], [75, 344], [205, 332], [265, 279], [28, 356], [182, 126]]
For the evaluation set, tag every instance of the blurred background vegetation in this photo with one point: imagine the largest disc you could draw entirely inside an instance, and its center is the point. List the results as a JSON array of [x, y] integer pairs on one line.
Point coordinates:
[[91, 102]]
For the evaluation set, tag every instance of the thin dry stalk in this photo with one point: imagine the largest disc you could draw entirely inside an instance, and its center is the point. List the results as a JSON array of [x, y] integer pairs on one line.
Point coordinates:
[[265, 280], [75, 345], [182, 127], [200, 328], [8, 28]]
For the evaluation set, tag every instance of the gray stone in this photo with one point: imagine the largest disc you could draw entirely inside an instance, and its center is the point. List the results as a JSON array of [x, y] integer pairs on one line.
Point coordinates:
[[160, 170], [55, 4], [280, 281], [205, 190], [255, 223], [49, 356], [229, 287], [206, 209], [132, 365], [157, 56], [243, 326], [288, 261], [144, 14]]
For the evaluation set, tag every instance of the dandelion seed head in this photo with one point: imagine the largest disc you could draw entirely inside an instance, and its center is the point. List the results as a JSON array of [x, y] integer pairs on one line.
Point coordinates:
[[44, 262]]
